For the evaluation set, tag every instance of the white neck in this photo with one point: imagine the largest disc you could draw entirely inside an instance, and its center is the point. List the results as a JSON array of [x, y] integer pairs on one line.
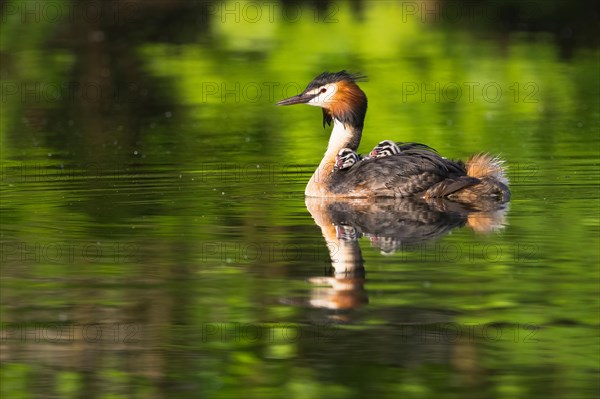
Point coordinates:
[[341, 137]]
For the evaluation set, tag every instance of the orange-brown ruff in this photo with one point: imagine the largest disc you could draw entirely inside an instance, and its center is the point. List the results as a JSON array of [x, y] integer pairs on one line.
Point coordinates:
[[417, 171]]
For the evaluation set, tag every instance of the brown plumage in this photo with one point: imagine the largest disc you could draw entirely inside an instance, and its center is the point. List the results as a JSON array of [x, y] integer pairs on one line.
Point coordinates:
[[417, 170], [485, 177]]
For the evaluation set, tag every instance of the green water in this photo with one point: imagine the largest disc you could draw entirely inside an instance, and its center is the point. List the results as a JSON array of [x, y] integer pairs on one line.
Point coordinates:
[[156, 242]]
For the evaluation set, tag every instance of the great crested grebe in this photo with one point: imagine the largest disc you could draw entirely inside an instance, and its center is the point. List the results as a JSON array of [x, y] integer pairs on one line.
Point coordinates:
[[416, 171], [345, 159]]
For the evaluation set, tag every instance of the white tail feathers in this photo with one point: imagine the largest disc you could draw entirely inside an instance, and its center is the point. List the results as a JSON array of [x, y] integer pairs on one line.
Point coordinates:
[[486, 166]]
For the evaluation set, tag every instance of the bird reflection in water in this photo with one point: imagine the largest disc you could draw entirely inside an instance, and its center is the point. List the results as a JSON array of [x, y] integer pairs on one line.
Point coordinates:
[[390, 225]]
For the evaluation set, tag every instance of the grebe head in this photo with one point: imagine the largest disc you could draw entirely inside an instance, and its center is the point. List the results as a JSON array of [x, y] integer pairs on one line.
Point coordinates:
[[338, 95], [385, 149], [345, 159]]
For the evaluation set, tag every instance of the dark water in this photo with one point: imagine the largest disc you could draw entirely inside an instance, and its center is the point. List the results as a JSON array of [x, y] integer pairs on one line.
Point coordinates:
[[156, 241]]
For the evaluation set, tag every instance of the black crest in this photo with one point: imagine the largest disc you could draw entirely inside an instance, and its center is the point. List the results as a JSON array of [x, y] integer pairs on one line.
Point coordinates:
[[332, 77]]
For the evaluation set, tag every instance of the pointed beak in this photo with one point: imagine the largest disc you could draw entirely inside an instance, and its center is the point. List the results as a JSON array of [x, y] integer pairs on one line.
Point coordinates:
[[301, 98]]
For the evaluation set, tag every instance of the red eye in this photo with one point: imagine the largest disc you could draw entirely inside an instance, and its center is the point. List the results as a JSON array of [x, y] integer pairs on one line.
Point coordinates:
[[323, 90]]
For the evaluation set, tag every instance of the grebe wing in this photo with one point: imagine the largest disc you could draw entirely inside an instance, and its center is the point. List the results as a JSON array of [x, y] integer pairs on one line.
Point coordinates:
[[407, 147], [451, 185], [398, 175]]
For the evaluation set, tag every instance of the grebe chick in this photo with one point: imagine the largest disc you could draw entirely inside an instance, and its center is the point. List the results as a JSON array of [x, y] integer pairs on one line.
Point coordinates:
[[388, 147], [345, 159], [419, 171], [385, 148]]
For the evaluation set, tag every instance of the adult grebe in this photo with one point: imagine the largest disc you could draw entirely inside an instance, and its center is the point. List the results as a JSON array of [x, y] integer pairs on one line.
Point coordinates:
[[416, 170]]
